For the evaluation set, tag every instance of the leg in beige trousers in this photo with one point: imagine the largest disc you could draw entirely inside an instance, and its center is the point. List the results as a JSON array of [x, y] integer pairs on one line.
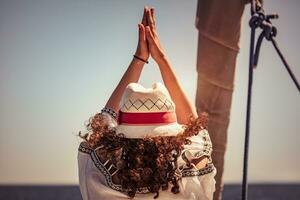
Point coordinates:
[[219, 24]]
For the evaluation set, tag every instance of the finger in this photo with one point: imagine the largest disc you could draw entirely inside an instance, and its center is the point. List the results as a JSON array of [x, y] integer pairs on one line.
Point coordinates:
[[144, 20], [140, 32], [150, 19], [154, 22], [149, 35], [153, 16], [146, 16]]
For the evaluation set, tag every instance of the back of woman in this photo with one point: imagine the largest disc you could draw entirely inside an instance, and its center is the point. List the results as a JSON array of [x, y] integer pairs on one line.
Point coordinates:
[[147, 142]]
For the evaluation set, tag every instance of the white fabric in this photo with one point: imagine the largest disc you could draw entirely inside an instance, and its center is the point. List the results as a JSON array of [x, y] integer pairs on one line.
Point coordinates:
[[93, 184], [137, 98], [194, 148]]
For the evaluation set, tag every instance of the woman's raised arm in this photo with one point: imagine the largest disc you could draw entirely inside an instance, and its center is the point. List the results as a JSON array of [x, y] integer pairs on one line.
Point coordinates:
[[184, 108]]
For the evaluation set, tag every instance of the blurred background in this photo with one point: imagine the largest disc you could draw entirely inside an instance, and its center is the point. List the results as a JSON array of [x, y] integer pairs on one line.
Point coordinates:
[[60, 61]]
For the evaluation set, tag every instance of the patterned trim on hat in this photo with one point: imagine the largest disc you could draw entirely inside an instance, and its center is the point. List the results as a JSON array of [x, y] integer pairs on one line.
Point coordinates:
[[105, 167], [149, 104]]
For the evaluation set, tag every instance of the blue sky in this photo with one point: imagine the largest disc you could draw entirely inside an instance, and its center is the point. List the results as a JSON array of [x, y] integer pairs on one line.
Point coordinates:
[[60, 60]]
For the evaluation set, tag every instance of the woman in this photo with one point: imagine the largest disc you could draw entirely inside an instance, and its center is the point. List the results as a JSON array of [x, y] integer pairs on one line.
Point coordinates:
[[141, 143]]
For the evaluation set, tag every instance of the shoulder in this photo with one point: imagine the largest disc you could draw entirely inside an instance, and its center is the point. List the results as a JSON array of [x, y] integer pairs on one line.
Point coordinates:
[[110, 115]]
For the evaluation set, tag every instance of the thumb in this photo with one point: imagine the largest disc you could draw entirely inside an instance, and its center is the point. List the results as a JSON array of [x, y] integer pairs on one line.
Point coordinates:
[[141, 34], [149, 35]]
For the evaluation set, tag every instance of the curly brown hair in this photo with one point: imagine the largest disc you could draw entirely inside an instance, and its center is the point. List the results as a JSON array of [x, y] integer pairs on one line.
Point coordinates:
[[145, 162]]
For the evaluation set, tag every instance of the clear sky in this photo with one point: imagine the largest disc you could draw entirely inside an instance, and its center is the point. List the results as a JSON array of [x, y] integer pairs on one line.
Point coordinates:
[[60, 60]]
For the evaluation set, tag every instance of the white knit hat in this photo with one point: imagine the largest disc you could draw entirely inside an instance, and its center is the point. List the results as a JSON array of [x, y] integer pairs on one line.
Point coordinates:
[[147, 112]]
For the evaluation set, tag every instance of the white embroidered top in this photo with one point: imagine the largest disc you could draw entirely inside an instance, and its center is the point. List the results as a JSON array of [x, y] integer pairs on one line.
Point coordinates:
[[95, 177]]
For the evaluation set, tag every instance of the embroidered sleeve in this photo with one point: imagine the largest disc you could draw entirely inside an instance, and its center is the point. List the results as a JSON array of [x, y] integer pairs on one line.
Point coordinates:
[[111, 116], [200, 146]]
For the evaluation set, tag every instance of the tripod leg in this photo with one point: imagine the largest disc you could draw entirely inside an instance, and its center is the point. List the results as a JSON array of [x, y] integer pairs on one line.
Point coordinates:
[[285, 64]]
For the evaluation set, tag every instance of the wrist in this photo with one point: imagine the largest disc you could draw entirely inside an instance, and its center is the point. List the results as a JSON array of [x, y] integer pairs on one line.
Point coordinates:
[[137, 62], [161, 60], [138, 58], [141, 55]]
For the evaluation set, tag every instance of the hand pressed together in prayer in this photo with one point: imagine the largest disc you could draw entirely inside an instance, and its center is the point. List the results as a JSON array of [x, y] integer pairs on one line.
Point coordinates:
[[148, 43]]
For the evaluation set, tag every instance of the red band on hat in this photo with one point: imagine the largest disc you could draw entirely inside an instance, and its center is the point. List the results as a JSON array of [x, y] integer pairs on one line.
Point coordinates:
[[147, 118]]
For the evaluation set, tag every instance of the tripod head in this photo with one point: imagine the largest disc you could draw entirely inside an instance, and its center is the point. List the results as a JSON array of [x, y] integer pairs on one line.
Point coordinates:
[[263, 21], [256, 5]]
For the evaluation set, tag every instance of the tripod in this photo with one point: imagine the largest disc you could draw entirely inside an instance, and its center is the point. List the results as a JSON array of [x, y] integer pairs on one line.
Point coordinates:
[[259, 20]]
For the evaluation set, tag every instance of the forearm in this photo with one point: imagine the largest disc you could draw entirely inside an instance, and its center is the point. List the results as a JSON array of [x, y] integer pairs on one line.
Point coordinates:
[[132, 74], [184, 108]]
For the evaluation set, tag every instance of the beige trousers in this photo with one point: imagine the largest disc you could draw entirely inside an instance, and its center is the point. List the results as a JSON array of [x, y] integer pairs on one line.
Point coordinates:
[[219, 24]]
